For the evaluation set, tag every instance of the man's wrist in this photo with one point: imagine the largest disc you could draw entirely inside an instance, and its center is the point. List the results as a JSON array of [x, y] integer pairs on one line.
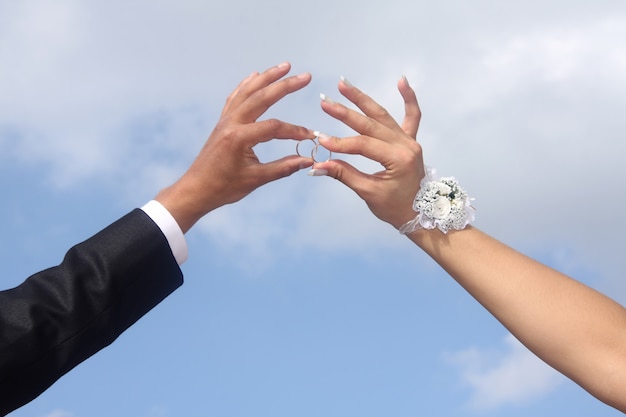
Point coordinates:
[[170, 228]]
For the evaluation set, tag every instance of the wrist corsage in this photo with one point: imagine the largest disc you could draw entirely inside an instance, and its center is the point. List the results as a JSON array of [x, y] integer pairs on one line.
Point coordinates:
[[440, 203]]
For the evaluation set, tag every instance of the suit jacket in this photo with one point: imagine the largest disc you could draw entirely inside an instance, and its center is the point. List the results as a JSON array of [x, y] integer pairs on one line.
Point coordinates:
[[61, 316]]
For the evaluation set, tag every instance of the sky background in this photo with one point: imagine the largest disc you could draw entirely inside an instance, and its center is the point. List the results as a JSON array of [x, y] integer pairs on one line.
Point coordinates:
[[298, 301]]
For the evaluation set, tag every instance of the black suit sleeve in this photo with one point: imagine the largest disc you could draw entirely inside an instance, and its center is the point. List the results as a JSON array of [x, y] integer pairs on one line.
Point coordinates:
[[61, 316]]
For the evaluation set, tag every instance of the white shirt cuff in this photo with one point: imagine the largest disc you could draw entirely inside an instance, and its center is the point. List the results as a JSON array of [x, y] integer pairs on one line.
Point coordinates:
[[170, 229]]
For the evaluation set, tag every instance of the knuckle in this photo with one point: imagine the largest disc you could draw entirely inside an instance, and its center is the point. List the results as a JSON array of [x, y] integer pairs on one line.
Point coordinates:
[[229, 133], [231, 97], [360, 143], [258, 98], [226, 136], [380, 113], [418, 115], [273, 125], [415, 148], [369, 124], [411, 154]]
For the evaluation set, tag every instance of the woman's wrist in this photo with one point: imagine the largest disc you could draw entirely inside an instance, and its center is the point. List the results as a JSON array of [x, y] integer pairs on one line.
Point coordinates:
[[432, 241], [440, 203]]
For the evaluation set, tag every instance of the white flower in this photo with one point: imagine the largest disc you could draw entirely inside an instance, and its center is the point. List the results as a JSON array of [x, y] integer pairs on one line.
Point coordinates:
[[444, 189], [440, 203], [441, 207]]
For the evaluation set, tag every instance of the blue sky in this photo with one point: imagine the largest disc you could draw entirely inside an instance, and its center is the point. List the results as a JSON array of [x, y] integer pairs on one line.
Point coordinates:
[[297, 301]]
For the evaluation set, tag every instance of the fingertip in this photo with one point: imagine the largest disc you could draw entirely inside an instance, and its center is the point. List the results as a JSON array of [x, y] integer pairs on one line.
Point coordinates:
[[336, 169], [406, 91], [303, 79], [324, 140], [285, 167], [329, 166], [326, 99], [345, 87], [317, 172], [343, 80], [322, 137], [404, 87], [305, 163], [279, 70], [302, 133], [319, 169]]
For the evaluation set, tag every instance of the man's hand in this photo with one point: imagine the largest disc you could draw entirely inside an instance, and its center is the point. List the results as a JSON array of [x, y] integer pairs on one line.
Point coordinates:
[[227, 169]]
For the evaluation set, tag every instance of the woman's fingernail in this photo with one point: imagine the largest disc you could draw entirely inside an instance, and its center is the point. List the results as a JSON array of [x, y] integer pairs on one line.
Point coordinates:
[[282, 65], [322, 136], [327, 99], [345, 81], [405, 79], [317, 172]]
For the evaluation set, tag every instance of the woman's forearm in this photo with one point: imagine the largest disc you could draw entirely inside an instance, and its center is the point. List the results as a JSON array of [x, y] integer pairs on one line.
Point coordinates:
[[572, 327]]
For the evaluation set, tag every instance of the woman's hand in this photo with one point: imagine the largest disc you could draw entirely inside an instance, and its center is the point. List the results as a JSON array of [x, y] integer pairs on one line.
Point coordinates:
[[388, 193]]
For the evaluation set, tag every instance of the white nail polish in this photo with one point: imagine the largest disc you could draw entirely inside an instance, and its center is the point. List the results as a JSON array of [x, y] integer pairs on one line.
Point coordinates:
[[317, 172], [345, 81], [327, 99], [321, 135]]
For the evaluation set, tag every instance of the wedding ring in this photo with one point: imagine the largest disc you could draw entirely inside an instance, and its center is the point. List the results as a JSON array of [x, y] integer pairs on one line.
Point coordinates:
[[314, 150], [300, 143]]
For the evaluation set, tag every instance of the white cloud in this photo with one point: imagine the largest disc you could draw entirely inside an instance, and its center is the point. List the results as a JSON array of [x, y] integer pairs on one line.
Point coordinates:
[[523, 107], [522, 102], [532, 128], [509, 376]]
